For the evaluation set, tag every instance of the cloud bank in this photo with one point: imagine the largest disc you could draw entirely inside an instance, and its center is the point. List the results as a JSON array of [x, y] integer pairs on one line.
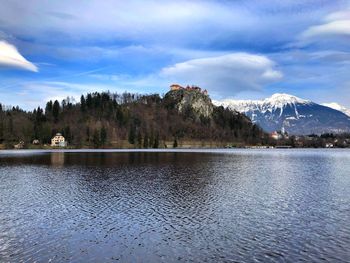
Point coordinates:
[[335, 24], [225, 75], [10, 57]]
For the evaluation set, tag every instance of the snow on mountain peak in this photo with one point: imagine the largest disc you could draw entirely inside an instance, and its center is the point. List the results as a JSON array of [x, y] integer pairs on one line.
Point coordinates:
[[337, 107], [296, 115], [280, 99]]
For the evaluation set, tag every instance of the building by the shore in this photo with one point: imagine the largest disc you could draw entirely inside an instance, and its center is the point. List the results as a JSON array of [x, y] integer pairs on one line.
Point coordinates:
[[276, 135], [19, 145], [58, 141]]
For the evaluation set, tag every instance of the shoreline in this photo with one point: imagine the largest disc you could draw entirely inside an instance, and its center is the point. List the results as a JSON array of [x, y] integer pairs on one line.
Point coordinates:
[[173, 150]]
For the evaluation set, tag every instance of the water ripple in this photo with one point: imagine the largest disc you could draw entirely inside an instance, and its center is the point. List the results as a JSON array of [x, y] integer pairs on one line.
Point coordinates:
[[229, 206]]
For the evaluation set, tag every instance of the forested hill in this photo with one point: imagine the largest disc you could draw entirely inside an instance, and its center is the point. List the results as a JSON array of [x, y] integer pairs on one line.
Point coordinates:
[[180, 118]]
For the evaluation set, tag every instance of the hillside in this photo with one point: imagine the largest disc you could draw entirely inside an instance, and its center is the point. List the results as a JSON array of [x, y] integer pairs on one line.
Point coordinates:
[[181, 118]]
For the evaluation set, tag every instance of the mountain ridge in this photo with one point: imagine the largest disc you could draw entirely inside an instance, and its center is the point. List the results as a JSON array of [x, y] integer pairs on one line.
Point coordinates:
[[295, 115], [337, 106]]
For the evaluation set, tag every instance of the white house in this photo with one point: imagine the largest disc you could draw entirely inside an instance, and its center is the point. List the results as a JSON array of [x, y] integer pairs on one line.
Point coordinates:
[[276, 135], [58, 141], [329, 145]]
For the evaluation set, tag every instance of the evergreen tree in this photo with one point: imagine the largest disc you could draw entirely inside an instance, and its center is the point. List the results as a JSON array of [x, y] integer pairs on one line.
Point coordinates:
[[96, 139], [119, 116], [11, 125], [1, 131], [175, 143], [151, 139], [139, 139], [89, 101], [67, 134], [145, 141], [156, 141], [48, 108], [87, 134], [82, 103], [55, 110], [131, 137], [45, 136], [103, 136]]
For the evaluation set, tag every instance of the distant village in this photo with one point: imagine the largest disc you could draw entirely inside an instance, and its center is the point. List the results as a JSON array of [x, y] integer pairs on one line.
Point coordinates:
[[327, 140]]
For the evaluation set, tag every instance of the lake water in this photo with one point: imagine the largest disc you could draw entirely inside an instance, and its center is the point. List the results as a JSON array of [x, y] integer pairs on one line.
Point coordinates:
[[203, 206]]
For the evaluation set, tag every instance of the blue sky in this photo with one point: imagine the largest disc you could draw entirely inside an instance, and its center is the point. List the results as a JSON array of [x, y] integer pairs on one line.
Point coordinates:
[[235, 49]]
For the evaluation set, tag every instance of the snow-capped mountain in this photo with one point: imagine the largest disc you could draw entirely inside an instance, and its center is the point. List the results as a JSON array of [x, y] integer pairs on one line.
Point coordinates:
[[338, 107], [295, 115]]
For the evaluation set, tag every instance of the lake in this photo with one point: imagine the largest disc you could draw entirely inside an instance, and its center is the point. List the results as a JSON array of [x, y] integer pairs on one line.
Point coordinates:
[[170, 206]]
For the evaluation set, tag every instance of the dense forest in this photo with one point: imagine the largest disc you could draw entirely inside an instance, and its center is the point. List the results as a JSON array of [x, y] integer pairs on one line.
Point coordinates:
[[127, 121]]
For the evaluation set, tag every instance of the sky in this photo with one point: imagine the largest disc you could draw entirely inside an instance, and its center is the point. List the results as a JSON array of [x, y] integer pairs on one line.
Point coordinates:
[[236, 49]]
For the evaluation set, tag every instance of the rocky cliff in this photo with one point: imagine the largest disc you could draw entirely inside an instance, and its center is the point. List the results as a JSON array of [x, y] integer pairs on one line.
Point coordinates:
[[190, 102]]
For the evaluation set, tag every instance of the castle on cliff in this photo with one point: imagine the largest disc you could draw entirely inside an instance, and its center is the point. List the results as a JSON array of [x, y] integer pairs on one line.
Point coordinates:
[[194, 88]]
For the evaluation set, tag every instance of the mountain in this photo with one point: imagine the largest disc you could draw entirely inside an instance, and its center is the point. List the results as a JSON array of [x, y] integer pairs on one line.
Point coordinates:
[[338, 107], [294, 115]]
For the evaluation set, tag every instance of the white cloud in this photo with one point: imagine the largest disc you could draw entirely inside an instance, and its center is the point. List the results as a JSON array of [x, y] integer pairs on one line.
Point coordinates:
[[334, 28], [225, 75], [336, 24], [341, 15], [10, 57]]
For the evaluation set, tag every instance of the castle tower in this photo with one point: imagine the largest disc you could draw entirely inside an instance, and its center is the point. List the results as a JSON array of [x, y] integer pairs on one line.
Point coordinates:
[[175, 87]]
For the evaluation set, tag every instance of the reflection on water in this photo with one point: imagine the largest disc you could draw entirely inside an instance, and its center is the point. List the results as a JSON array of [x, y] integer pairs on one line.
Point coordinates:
[[222, 206], [57, 158]]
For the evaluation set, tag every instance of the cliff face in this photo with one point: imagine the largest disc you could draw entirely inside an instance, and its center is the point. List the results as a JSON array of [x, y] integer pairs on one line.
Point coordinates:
[[190, 101]]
